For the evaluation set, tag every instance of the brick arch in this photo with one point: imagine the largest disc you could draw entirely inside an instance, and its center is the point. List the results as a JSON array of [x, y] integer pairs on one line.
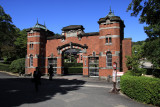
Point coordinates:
[[71, 46]]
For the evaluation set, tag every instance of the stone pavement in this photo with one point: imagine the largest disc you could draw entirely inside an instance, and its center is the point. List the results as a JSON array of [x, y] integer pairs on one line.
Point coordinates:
[[65, 91]]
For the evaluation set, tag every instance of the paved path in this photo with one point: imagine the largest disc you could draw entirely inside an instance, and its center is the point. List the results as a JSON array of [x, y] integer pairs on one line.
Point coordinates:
[[71, 91]]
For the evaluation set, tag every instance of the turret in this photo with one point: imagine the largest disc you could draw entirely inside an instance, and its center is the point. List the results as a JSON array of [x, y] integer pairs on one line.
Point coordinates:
[[36, 40]]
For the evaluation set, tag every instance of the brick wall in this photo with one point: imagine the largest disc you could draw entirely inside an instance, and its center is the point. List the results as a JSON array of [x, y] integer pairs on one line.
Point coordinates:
[[126, 51]]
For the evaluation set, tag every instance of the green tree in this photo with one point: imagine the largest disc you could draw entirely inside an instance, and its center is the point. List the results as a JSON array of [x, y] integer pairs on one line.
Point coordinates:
[[133, 62], [8, 48], [152, 51], [7, 29], [21, 43], [149, 11]]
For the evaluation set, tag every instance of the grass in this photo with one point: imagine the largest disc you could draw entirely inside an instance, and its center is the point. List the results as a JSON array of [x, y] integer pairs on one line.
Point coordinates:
[[4, 67]]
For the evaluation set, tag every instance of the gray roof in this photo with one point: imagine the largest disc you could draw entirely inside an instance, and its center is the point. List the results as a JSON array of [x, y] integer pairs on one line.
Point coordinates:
[[72, 27], [88, 34], [40, 26], [111, 17]]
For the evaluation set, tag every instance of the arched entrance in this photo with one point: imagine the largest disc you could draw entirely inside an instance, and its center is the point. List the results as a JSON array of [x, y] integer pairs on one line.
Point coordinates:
[[74, 63], [71, 63]]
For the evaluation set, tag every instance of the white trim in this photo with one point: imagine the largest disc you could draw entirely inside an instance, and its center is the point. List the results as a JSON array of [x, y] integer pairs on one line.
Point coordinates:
[[108, 23], [112, 36], [114, 27], [108, 43], [33, 42], [33, 36]]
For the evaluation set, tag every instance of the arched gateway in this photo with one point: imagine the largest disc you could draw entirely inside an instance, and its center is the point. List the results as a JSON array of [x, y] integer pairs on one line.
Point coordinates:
[[99, 49]]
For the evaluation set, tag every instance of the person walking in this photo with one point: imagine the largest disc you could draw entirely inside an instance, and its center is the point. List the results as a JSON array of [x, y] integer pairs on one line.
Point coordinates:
[[50, 71], [37, 78]]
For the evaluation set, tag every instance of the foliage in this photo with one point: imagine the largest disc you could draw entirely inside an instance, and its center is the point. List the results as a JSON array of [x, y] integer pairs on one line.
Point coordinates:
[[18, 65], [143, 89], [13, 41], [138, 43], [133, 62], [149, 11], [152, 51], [7, 29], [4, 67], [21, 43], [73, 68], [73, 65]]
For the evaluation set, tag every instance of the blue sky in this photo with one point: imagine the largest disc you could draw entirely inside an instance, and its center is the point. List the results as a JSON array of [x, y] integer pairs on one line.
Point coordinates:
[[60, 13]]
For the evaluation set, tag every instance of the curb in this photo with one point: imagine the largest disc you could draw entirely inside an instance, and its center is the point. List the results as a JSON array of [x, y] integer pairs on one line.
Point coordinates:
[[10, 73]]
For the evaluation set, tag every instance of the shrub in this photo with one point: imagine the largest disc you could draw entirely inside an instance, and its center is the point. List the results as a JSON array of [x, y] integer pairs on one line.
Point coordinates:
[[143, 89], [75, 70], [73, 65], [18, 66]]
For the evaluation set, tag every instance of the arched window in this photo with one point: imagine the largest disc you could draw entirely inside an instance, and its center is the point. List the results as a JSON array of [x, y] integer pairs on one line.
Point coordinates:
[[31, 60], [109, 59]]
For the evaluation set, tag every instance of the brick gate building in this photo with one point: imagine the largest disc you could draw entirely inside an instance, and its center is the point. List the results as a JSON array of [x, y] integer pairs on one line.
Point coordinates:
[[99, 49]]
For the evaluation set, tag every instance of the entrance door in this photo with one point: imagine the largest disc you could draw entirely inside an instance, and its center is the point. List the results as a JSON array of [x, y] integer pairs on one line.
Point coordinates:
[[93, 66], [53, 62]]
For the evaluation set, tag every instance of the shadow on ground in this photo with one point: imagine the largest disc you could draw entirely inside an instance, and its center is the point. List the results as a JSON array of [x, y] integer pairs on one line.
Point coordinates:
[[18, 91]]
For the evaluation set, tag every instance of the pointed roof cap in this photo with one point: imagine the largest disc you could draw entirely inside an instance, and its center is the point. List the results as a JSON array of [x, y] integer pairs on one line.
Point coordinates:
[[37, 25], [110, 14]]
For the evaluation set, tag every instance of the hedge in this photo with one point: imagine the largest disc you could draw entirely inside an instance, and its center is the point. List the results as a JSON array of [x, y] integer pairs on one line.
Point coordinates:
[[143, 89], [73, 65], [73, 70], [18, 66]]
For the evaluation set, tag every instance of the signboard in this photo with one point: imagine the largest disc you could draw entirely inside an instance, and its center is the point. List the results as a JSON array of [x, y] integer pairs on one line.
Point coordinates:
[[114, 65]]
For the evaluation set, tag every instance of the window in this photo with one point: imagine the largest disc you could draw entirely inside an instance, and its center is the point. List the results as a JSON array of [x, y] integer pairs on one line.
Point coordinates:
[[108, 40], [31, 60], [31, 45], [109, 59]]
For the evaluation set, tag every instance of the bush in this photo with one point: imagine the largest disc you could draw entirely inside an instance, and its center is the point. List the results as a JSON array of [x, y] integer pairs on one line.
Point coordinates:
[[18, 66], [73, 65], [143, 89], [75, 70]]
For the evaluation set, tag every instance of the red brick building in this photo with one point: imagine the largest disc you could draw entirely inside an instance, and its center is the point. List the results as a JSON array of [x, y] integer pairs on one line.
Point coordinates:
[[100, 49]]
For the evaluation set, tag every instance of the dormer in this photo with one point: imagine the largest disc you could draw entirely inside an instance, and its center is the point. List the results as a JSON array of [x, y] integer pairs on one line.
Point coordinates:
[[72, 30]]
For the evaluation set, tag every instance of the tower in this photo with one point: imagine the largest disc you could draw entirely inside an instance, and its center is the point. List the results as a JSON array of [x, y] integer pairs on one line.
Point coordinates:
[[36, 43], [111, 32]]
